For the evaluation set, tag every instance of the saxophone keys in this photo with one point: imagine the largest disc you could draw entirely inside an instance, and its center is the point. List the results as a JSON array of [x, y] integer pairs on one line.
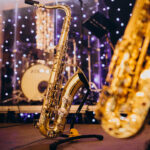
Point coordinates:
[[127, 80], [132, 64]]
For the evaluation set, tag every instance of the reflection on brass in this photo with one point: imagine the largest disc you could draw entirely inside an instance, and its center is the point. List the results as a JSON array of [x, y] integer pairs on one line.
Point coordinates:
[[124, 104], [44, 29], [58, 99]]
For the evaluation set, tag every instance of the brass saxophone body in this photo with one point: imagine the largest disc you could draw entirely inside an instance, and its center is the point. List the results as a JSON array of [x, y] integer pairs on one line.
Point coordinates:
[[124, 103], [57, 102]]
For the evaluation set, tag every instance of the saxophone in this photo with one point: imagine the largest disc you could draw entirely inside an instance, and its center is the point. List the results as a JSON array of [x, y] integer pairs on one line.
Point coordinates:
[[57, 100], [123, 104]]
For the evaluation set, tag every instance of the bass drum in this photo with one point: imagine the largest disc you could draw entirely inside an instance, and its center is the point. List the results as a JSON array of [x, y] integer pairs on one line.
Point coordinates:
[[34, 81]]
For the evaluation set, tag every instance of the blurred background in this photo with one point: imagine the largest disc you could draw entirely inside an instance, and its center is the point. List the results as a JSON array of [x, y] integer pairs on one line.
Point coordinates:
[[27, 40]]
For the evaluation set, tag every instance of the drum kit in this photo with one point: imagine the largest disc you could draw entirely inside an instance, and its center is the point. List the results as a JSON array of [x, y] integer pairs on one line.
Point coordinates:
[[35, 73], [34, 81], [34, 76]]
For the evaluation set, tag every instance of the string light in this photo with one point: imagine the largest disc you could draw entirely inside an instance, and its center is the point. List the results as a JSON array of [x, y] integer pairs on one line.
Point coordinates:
[[122, 24], [117, 19], [75, 25], [24, 55], [104, 9], [18, 78], [29, 10], [72, 6], [79, 42], [117, 32], [32, 31], [23, 26], [103, 65], [21, 114], [102, 57], [19, 17], [27, 39], [58, 36], [108, 8], [29, 116], [89, 33], [120, 39], [75, 18], [19, 62], [93, 12], [102, 45], [5, 75], [6, 94], [46, 39], [58, 16], [9, 20], [7, 63], [84, 15], [79, 56], [93, 120], [118, 9], [92, 38]]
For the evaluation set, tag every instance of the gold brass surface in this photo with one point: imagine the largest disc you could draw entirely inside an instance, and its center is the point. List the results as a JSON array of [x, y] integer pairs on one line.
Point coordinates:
[[57, 100], [123, 104]]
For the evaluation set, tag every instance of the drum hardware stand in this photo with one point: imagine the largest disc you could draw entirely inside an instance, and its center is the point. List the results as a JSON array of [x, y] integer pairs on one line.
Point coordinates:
[[89, 69], [16, 96], [74, 134]]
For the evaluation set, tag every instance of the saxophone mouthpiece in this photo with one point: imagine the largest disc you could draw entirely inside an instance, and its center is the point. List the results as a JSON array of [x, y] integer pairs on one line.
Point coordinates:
[[30, 2]]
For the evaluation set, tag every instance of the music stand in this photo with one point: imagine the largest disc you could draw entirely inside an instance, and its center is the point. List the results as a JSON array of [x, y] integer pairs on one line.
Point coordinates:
[[99, 25]]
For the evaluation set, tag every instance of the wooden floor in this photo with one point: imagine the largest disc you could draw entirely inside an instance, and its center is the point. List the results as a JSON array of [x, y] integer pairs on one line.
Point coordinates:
[[26, 137]]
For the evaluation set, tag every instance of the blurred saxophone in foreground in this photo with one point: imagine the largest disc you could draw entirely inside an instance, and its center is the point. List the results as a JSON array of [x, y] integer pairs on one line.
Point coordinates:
[[58, 100], [125, 102]]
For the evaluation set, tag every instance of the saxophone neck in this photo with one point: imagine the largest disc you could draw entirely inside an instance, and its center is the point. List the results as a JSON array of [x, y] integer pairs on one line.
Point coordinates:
[[65, 28]]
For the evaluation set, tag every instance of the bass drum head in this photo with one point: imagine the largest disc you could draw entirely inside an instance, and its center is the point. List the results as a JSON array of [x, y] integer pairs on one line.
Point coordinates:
[[34, 81]]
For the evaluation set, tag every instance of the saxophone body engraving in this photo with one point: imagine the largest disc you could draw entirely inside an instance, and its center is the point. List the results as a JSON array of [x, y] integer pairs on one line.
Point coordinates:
[[57, 102], [124, 104]]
